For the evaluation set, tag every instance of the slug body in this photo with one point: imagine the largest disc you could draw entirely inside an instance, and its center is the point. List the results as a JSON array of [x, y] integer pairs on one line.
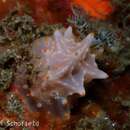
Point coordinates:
[[63, 65]]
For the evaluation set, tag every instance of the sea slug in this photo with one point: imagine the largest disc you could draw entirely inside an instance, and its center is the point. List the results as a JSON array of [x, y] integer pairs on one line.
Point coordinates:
[[63, 64]]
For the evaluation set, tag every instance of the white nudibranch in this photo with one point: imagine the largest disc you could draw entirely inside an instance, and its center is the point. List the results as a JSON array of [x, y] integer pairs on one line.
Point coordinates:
[[63, 65]]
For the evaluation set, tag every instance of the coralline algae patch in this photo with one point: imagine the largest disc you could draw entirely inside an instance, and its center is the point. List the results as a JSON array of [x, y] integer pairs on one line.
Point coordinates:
[[61, 65], [50, 11], [6, 6]]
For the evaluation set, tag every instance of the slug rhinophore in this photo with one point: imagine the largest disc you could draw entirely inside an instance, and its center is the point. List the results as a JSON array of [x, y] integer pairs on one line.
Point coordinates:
[[62, 65]]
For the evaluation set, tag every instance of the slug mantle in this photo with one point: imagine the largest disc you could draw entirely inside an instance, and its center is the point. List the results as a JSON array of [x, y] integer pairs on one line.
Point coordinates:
[[63, 65]]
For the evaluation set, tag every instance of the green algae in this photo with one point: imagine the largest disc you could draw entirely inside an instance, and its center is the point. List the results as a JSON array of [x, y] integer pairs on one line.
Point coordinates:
[[14, 105], [98, 123], [6, 76]]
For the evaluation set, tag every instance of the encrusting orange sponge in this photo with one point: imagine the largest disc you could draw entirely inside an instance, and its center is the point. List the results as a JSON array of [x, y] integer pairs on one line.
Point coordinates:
[[96, 8]]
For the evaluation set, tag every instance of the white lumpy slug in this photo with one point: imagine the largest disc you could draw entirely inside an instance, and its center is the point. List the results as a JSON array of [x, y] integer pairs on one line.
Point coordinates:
[[63, 65]]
